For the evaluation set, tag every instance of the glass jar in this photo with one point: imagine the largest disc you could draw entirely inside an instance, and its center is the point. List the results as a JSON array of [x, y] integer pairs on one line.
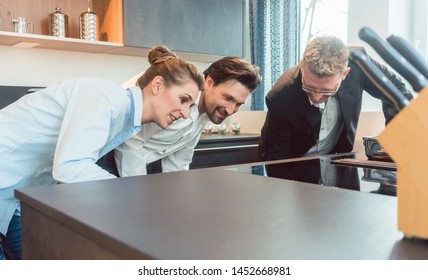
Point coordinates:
[[236, 128], [221, 129], [208, 129]]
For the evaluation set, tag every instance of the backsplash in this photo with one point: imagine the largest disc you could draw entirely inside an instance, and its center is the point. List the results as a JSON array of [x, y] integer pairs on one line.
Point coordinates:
[[251, 121]]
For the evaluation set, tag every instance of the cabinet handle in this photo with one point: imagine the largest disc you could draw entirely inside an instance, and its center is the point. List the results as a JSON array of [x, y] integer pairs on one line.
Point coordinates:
[[226, 148]]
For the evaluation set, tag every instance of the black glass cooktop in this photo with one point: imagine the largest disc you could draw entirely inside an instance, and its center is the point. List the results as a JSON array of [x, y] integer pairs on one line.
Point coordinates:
[[330, 172]]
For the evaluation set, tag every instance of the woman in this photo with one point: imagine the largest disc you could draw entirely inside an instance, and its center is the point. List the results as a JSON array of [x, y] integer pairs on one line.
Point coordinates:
[[57, 134]]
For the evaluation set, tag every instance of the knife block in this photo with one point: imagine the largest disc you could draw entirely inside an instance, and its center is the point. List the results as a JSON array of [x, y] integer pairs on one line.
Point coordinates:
[[405, 139]]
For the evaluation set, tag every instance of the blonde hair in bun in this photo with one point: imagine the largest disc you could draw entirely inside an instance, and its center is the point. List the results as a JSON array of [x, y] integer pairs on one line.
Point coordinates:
[[174, 70]]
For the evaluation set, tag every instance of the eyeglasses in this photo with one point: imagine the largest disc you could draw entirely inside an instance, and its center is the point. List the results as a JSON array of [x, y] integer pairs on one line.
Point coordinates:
[[323, 93]]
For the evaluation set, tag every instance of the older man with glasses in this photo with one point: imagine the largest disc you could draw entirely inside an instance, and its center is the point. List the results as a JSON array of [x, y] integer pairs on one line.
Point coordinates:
[[314, 107]]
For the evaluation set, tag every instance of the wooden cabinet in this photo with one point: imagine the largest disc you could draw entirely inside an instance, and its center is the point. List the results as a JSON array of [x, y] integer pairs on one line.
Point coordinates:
[[110, 18], [219, 150], [196, 26], [200, 30]]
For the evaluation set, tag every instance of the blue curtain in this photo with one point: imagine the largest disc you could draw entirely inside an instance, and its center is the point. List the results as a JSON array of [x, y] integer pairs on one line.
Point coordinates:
[[274, 42]]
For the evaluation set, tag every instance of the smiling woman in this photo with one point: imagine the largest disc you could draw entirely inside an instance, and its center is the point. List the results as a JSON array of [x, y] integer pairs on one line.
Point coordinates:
[[173, 102], [170, 87], [76, 122]]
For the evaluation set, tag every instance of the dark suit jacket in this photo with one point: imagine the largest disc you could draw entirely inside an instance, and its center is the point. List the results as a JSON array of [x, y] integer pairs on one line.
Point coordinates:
[[292, 124]]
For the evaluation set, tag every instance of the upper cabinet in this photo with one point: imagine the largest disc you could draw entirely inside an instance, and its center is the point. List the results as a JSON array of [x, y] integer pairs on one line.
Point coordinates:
[[201, 30], [36, 12], [195, 26]]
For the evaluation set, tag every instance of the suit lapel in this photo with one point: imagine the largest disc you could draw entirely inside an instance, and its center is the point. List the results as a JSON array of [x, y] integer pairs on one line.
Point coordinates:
[[345, 99]]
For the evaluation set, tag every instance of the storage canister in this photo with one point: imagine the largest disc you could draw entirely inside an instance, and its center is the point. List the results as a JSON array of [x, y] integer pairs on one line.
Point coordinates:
[[58, 24], [89, 25]]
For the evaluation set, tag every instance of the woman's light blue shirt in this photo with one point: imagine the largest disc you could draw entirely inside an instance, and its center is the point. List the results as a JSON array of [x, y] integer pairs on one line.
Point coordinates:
[[56, 135]]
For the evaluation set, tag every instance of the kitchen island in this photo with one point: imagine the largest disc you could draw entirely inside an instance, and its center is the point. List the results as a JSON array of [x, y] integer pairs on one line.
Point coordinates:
[[219, 150], [208, 214]]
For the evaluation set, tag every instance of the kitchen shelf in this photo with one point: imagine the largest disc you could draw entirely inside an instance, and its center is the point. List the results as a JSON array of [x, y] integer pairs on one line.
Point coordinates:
[[111, 20], [137, 51], [37, 12], [13, 39]]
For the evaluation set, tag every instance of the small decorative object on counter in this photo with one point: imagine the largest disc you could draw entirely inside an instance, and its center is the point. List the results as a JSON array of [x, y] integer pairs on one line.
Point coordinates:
[[58, 24], [89, 25], [236, 128], [221, 129], [208, 129]]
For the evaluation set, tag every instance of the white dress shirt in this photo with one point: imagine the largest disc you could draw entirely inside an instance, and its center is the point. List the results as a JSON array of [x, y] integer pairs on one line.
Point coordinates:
[[331, 126], [174, 145], [58, 133]]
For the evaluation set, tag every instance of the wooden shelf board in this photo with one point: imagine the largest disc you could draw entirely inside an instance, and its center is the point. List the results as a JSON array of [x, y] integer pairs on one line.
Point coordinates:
[[11, 39], [49, 42], [135, 51]]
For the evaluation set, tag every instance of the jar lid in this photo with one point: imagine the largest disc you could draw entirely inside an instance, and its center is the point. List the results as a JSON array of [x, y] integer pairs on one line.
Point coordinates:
[[57, 11]]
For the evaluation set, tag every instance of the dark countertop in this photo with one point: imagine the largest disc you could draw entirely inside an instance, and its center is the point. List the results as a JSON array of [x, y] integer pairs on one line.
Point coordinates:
[[229, 140], [346, 171], [221, 214], [228, 137]]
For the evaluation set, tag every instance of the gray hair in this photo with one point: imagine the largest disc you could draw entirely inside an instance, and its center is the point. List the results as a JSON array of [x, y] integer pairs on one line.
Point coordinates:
[[326, 56]]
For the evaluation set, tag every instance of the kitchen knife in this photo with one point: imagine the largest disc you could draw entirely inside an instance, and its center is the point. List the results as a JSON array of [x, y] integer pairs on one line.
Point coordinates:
[[394, 58], [378, 78], [410, 53]]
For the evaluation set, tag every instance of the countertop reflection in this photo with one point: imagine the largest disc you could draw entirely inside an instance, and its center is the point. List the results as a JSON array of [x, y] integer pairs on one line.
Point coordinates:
[[323, 170]]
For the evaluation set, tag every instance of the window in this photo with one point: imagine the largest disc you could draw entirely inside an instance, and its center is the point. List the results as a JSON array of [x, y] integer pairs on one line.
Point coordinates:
[[420, 27], [322, 17], [280, 30]]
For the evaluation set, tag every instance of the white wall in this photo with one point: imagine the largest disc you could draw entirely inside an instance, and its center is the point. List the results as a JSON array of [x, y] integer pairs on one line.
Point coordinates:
[[385, 17], [420, 28], [40, 67]]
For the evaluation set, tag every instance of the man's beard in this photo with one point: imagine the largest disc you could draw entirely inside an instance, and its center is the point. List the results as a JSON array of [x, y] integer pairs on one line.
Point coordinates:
[[214, 118]]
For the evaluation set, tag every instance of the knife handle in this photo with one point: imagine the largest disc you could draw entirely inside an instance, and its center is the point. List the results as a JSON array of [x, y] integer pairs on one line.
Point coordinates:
[[378, 78], [410, 53], [394, 58]]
